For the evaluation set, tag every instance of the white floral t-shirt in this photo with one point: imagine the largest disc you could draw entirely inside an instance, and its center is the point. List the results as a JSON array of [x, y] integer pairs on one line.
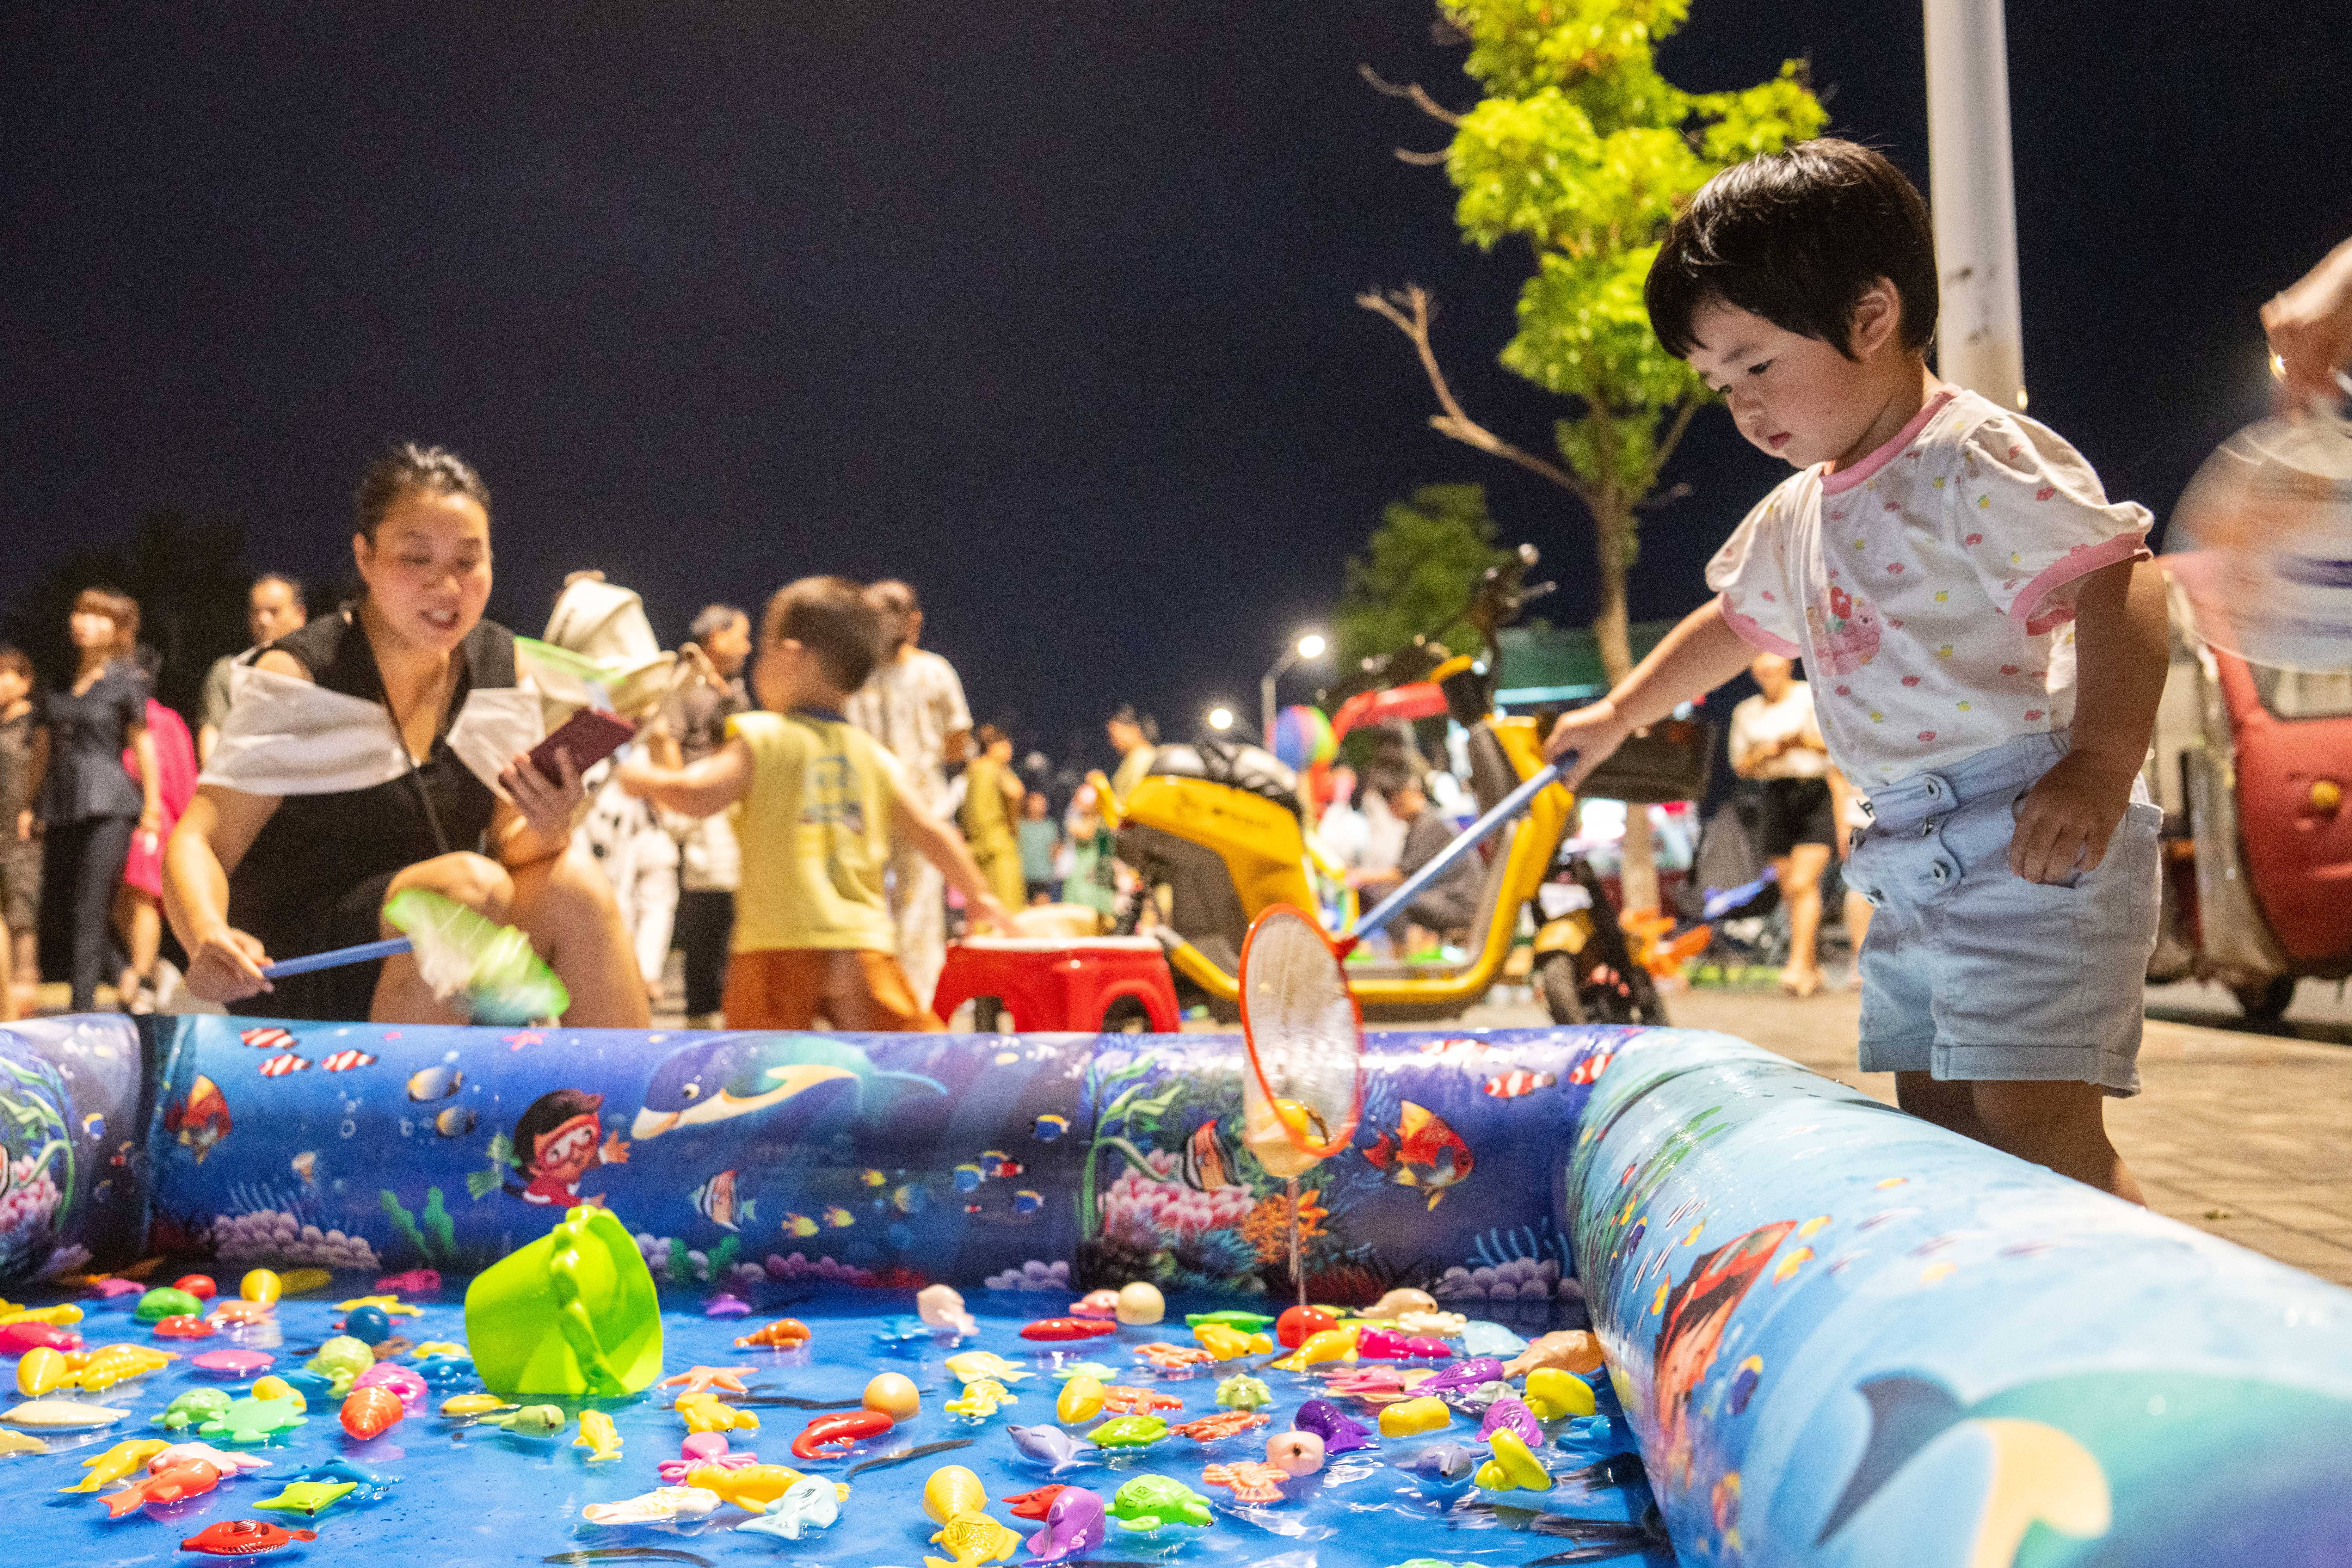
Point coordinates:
[[1929, 588]]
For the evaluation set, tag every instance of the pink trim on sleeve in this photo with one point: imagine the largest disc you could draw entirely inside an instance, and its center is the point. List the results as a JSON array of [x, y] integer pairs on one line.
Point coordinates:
[[2081, 563], [1846, 478], [1754, 635]]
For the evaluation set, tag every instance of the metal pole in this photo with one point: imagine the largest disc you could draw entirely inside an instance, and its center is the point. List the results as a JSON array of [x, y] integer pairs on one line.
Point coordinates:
[[1982, 337], [1265, 708]]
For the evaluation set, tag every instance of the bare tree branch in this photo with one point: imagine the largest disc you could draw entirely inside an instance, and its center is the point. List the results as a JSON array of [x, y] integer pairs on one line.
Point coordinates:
[[1665, 448], [1420, 160], [1407, 310], [1413, 91]]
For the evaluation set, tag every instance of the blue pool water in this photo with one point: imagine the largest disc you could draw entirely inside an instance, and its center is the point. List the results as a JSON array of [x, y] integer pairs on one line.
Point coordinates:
[[476, 1495]]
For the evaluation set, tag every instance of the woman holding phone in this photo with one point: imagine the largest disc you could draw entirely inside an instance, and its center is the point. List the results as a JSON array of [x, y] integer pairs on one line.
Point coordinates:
[[384, 747]]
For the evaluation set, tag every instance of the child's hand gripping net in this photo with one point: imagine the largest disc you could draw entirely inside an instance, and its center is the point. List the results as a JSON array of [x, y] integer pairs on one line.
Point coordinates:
[[481, 968]]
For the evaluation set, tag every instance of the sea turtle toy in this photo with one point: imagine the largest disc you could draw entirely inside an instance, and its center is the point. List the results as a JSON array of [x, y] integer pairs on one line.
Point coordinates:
[[1147, 1502], [1243, 1391], [194, 1409], [254, 1420], [973, 1539], [1128, 1432], [340, 1360]]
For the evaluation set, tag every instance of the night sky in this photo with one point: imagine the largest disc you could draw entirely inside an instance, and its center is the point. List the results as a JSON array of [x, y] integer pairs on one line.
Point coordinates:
[[1047, 307]]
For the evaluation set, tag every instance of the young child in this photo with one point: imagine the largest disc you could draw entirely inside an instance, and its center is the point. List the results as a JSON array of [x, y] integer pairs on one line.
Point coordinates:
[[821, 806], [1985, 640]]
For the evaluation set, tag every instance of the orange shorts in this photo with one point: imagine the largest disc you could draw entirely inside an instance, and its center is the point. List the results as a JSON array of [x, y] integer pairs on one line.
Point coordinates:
[[851, 989]]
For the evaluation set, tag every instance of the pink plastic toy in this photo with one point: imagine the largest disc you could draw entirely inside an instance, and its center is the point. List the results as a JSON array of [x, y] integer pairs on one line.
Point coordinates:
[[1096, 1304], [702, 1449], [398, 1381], [1387, 1344], [233, 1363], [17, 1338], [414, 1282]]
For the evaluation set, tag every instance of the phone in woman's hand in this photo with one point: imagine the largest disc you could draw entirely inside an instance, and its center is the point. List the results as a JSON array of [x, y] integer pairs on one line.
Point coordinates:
[[590, 735]]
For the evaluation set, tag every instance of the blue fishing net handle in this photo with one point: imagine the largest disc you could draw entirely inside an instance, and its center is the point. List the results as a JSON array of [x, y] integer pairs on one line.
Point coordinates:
[[336, 957], [1509, 806]]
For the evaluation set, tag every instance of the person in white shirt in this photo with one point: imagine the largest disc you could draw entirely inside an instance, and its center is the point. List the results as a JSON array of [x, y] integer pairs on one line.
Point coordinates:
[[1778, 747]]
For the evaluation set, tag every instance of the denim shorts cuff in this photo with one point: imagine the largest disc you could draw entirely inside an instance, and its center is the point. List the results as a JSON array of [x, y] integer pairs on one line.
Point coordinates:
[[1897, 1055], [2038, 1064]]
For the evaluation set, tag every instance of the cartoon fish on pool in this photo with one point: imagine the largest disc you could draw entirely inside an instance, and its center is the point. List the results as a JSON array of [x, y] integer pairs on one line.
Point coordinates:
[[996, 1165], [1591, 1065], [269, 1038], [1422, 1152], [1046, 1128], [435, 1083], [726, 1076], [1518, 1081], [456, 1121], [968, 1178], [910, 1197], [799, 1225], [279, 1065], [715, 1201], [200, 1120], [93, 1125], [305, 1165], [1026, 1202], [345, 1060], [870, 1177], [1207, 1162], [838, 1218]]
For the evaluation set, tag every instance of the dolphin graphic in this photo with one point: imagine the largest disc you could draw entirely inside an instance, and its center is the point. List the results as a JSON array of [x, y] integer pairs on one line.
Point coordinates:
[[736, 1075]]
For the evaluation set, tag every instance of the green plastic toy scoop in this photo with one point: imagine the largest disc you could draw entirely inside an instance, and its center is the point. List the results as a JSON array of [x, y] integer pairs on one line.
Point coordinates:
[[487, 969], [573, 1315]]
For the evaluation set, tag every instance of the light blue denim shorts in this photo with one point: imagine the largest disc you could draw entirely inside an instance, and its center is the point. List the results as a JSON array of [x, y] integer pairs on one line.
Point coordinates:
[[1970, 972]]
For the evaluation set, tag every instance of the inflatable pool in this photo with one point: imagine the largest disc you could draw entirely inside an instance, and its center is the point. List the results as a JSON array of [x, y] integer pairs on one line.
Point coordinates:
[[1834, 1334]]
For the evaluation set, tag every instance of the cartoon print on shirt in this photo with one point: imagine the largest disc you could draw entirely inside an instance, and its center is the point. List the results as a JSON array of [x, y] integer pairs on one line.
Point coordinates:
[[1844, 631]]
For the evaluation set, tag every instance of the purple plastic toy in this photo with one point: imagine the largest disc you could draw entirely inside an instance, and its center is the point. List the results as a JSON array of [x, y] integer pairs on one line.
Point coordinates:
[[1469, 1373], [1510, 1414], [1074, 1527], [726, 1304], [1340, 1431]]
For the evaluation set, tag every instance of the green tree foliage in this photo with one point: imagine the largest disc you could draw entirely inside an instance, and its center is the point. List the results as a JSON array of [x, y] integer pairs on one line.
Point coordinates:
[[1416, 574]]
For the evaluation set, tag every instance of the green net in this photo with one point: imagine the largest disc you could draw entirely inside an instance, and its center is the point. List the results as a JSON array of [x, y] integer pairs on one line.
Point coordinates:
[[474, 965]]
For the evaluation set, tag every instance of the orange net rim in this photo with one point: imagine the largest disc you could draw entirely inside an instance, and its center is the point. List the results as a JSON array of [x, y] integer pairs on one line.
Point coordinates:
[[1346, 1134]]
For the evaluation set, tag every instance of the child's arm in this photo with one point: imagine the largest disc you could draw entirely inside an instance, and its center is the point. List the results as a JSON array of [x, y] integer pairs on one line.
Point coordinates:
[[1692, 659], [945, 848], [700, 789], [2120, 666]]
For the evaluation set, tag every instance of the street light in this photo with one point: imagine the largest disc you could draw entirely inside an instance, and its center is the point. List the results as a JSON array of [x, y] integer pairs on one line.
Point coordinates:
[[1308, 647], [1220, 720]]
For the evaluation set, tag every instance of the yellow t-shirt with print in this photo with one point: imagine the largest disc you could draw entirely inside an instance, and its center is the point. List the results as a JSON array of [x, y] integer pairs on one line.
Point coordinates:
[[815, 831]]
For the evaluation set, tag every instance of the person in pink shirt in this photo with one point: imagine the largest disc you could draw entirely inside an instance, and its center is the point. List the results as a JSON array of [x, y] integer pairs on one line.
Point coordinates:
[[138, 903], [1984, 636]]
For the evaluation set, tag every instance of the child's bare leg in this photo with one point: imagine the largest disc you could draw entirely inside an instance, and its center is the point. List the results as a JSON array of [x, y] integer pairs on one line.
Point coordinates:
[[2060, 1125], [1801, 890], [1949, 1104]]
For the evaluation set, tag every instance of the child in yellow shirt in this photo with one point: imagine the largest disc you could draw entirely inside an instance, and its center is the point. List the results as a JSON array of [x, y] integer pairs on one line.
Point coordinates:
[[822, 804]]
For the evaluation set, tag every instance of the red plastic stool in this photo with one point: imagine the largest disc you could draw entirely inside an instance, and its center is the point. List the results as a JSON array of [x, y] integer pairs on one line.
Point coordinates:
[[1060, 983]]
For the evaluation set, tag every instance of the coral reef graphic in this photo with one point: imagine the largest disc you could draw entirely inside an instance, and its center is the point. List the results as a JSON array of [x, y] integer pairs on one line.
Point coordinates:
[[1145, 1211], [1033, 1275], [274, 1235], [34, 1134]]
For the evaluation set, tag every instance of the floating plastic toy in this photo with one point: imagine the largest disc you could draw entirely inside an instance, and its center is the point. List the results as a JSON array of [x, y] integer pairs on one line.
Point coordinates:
[[165, 1303], [1147, 1502], [695, 1379], [40, 1370], [194, 1409], [227, 1464], [310, 1499], [1174, 1358], [952, 1489], [753, 1488], [1250, 1480], [1467, 1373], [1508, 1414], [726, 1304], [1222, 1425], [1387, 1344], [411, 1282], [1553, 1394], [125, 1459], [701, 1448], [261, 1286], [1081, 1400], [242, 1538], [1095, 1304], [181, 1326], [1128, 1432], [1050, 1446], [1125, 1400], [248, 1421], [572, 1314], [1340, 1432], [1248, 1322], [372, 1487], [942, 1307], [973, 1539], [371, 1412], [530, 1421], [278, 1388], [340, 1360], [174, 1483], [1513, 1467], [1076, 1523], [61, 1413], [1140, 1304], [981, 1399], [1571, 1350], [100, 1369], [233, 1363], [1330, 1344], [707, 1413], [398, 1381], [1299, 1324], [1230, 1344], [17, 1338], [810, 1502], [1410, 1417], [894, 1394], [1243, 1392], [1034, 1504], [1402, 1299], [970, 1366], [784, 1334], [830, 1436], [1296, 1453], [370, 1325], [1067, 1328], [659, 1506], [598, 1436], [1445, 1463]]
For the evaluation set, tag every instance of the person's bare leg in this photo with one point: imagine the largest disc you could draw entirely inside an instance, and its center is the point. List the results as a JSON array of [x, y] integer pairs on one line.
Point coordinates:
[[566, 907], [1857, 930], [2060, 1125], [1949, 1105], [1801, 890], [28, 967], [7, 979], [140, 924], [481, 884]]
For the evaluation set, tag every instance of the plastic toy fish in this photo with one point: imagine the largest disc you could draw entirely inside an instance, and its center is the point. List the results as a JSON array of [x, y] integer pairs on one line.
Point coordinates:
[[1075, 1522], [810, 1502], [442, 1370], [942, 1307], [1508, 1414], [695, 1379], [753, 1487], [598, 1436], [1410, 1417], [1067, 1328], [237, 1314], [17, 1338], [1424, 1151], [1248, 1322], [1049, 1445], [530, 1421], [705, 1412], [1329, 1344], [372, 1487], [1381, 1385], [1513, 1467], [1251, 1480], [784, 1334], [102, 1368], [1340, 1431], [389, 1302], [127, 1458], [1387, 1344], [656, 1507], [1444, 1462], [981, 1399], [183, 1327], [952, 1489], [1174, 1358], [170, 1484], [1571, 1350], [242, 1538], [970, 1366], [1147, 1502], [463, 1406], [830, 1436], [1126, 1400], [1222, 1425], [1096, 1304], [1128, 1432], [1081, 1399], [309, 1499], [1444, 1325], [1230, 1344], [1243, 1391], [42, 1369], [973, 1539], [1467, 1373], [63, 1414], [1553, 1393], [726, 1304]]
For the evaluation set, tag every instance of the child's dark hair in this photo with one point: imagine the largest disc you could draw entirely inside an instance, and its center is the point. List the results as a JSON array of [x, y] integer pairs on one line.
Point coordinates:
[[1796, 237], [833, 619], [547, 1112]]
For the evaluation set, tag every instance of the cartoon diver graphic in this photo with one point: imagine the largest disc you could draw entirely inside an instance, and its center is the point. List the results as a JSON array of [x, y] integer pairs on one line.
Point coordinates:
[[557, 1139], [737, 1075]]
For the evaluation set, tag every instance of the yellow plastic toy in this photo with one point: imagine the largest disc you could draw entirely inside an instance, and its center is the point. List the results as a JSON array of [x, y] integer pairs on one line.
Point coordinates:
[[125, 1459], [707, 1413], [1328, 1344], [752, 1487], [975, 1539], [278, 1388], [1227, 1344], [393, 1305], [1081, 1400], [462, 1405], [103, 1367], [598, 1435], [981, 1399], [1513, 1467], [303, 1281], [1407, 1417], [63, 1317], [41, 1370], [261, 1286], [952, 1489], [972, 1365], [438, 1347], [1553, 1393]]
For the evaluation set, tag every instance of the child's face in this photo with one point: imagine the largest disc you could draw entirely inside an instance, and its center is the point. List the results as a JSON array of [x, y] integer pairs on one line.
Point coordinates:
[[566, 1152], [13, 686], [1794, 396]]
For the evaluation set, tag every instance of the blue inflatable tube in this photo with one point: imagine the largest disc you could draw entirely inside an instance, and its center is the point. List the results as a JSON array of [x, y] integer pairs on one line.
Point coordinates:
[[1840, 1335]]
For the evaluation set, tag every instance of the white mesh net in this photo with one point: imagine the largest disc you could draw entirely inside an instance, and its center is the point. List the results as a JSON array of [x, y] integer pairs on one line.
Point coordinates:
[[1303, 1095]]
